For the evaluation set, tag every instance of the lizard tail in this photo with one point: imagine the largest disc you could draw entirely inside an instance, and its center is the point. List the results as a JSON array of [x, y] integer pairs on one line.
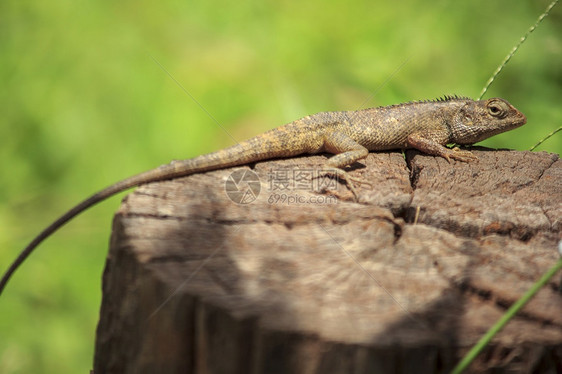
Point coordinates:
[[273, 144], [92, 200], [168, 171]]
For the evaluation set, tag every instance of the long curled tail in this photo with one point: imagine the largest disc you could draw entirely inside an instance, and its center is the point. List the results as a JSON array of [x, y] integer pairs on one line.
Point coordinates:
[[84, 205], [268, 145]]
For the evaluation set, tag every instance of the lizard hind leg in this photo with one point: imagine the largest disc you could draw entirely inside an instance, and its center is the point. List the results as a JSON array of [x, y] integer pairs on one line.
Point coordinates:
[[346, 151]]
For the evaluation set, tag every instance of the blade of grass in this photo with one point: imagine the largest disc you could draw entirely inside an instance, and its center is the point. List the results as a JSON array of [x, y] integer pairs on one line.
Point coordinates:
[[512, 52], [545, 138], [471, 355]]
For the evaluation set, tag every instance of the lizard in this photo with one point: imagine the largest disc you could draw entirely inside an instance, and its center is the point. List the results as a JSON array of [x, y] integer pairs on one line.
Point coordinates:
[[428, 126]]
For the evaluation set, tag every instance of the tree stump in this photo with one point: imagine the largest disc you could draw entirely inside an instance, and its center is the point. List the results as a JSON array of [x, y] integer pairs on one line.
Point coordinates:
[[305, 280]]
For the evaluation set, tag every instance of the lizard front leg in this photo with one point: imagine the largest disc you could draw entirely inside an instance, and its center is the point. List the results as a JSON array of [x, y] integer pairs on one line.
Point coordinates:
[[429, 146], [346, 151]]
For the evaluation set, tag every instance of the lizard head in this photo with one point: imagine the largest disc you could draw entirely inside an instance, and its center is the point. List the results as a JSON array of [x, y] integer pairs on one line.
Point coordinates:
[[479, 120]]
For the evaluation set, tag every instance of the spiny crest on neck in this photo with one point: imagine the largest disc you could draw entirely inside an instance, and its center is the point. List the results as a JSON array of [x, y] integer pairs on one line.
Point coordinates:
[[442, 99]]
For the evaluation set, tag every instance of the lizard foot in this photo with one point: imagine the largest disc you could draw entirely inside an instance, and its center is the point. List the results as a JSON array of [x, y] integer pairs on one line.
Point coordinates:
[[461, 155], [349, 180]]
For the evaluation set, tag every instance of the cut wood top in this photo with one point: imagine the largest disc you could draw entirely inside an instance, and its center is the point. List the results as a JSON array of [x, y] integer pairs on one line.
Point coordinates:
[[431, 255]]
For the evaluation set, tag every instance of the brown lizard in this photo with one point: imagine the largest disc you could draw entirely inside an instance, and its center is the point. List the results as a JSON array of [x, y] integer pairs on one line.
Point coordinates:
[[424, 125]]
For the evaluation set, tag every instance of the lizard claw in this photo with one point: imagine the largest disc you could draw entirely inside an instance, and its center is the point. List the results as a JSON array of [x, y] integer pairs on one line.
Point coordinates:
[[461, 155], [343, 175]]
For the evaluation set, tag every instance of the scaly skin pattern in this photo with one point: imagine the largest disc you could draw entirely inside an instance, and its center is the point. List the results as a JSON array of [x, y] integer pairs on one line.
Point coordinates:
[[424, 125]]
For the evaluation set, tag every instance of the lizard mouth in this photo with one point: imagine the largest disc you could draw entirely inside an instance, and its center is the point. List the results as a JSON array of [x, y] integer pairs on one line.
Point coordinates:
[[520, 120]]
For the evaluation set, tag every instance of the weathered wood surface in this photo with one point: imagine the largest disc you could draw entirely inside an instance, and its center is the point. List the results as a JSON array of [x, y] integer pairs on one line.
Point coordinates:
[[405, 281]]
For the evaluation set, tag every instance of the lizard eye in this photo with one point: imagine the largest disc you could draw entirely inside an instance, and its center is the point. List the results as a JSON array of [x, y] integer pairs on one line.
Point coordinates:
[[496, 109]]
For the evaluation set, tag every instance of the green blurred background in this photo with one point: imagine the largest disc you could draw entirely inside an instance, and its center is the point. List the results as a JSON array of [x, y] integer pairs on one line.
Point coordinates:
[[83, 104]]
